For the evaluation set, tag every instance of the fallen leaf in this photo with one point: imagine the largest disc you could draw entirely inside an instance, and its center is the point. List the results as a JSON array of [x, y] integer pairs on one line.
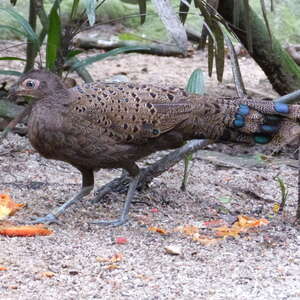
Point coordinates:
[[276, 207], [4, 212], [121, 241], [115, 258], [187, 229], [112, 267], [245, 221], [228, 231], [3, 268], [144, 277], [205, 240], [158, 230], [48, 274], [214, 223], [102, 259], [243, 224], [7, 206], [25, 230]]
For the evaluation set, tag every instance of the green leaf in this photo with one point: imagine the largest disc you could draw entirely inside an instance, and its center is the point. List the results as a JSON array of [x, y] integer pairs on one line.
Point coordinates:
[[248, 25], [74, 9], [73, 53], [284, 192], [220, 50], [54, 38], [211, 52], [264, 11], [195, 84], [90, 7], [10, 72], [225, 200], [183, 10], [127, 36], [28, 31], [236, 12], [143, 8], [99, 57], [12, 58], [19, 32]]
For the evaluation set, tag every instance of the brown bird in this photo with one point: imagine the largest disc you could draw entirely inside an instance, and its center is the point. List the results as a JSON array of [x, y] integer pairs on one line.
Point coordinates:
[[100, 125]]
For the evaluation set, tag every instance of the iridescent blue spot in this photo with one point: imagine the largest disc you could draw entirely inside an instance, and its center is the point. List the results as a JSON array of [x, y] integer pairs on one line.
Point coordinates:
[[239, 121], [261, 139], [244, 110], [269, 128], [281, 108]]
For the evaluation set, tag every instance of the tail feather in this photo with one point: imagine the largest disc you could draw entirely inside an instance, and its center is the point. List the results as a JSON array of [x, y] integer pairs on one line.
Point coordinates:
[[262, 122]]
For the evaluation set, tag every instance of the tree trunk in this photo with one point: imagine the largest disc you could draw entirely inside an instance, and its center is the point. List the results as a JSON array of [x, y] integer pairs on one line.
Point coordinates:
[[281, 70]]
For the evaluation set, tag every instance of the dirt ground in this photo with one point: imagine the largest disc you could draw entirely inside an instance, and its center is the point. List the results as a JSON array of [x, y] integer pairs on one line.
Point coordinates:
[[261, 264]]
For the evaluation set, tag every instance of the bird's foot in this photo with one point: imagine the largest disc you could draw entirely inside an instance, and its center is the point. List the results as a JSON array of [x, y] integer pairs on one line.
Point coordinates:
[[113, 223], [48, 219]]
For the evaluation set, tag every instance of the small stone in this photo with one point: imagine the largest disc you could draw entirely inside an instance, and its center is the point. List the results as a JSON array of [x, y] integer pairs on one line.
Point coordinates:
[[174, 249]]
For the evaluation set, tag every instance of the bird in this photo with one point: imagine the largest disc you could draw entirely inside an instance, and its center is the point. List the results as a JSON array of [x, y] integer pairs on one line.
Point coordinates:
[[100, 125]]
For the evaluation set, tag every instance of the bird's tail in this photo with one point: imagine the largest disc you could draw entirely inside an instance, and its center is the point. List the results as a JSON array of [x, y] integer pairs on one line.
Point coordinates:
[[250, 121]]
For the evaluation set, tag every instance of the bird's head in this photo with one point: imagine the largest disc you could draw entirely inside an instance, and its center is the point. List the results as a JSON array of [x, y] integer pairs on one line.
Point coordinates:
[[37, 84]]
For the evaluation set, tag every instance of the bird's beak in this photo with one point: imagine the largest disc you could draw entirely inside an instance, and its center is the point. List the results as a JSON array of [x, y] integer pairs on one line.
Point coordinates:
[[13, 92]]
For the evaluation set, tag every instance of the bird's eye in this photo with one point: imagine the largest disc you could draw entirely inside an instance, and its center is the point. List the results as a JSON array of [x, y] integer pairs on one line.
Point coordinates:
[[30, 84]]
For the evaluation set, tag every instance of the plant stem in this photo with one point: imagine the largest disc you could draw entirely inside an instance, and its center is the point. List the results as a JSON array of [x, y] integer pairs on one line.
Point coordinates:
[[30, 50]]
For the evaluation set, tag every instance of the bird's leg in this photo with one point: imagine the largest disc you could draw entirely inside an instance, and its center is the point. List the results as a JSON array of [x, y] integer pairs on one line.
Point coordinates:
[[120, 185], [87, 186], [124, 214]]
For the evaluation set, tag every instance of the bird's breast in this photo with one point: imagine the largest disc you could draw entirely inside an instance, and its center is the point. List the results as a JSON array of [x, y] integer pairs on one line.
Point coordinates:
[[45, 130]]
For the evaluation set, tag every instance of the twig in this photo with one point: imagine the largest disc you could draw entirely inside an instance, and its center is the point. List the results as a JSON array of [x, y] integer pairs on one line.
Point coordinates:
[[120, 185], [250, 92], [238, 80]]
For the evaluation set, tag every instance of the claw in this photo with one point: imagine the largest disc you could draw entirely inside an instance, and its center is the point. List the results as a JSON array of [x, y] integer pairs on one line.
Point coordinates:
[[49, 219], [113, 223]]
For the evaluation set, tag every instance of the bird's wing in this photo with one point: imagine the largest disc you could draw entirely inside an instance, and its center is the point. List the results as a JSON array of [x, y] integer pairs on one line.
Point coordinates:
[[132, 112]]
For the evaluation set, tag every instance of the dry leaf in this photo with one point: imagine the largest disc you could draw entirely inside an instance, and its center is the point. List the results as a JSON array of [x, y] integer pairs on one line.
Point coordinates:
[[245, 221], [214, 223], [276, 207], [112, 267], [7, 206], [3, 268], [4, 212], [115, 258], [243, 224], [25, 230], [144, 277], [205, 240], [102, 259], [158, 230], [48, 274], [188, 229], [228, 231]]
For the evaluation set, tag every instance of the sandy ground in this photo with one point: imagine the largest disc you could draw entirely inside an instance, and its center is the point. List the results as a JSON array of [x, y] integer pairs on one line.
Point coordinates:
[[261, 264]]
